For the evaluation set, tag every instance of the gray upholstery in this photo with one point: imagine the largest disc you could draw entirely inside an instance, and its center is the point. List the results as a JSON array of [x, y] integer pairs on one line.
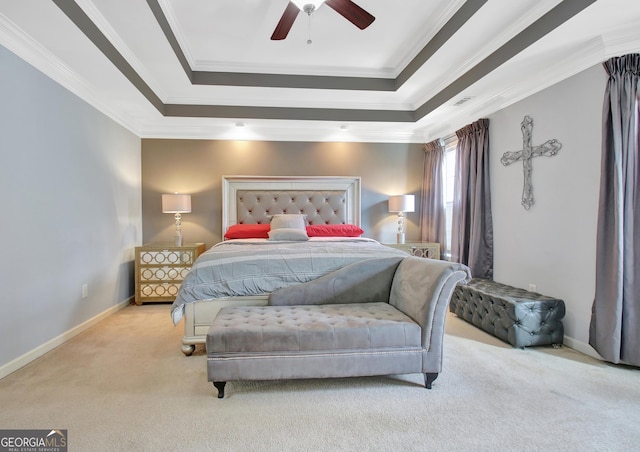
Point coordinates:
[[516, 316], [403, 334], [360, 282], [320, 207], [316, 327]]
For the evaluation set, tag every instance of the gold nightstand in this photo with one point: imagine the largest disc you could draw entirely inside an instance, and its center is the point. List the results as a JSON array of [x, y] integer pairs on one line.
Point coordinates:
[[420, 249], [160, 269]]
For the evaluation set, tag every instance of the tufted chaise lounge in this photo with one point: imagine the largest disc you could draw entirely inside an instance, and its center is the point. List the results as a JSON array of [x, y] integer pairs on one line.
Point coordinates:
[[516, 316], [376, 317]]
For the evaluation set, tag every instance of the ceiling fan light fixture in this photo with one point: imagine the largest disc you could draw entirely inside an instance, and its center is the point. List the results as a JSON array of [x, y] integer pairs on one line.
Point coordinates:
[[302, 3], [346, 8]]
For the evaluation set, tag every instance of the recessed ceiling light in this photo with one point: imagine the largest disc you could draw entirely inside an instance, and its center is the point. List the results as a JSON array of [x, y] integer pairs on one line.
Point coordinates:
[[240, 124], [344, 127]]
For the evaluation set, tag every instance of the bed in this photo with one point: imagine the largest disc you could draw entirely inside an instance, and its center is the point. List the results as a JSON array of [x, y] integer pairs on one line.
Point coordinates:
[[256, 259]]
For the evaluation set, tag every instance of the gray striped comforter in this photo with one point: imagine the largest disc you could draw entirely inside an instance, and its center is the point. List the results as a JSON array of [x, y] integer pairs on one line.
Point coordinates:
[[256, 267]]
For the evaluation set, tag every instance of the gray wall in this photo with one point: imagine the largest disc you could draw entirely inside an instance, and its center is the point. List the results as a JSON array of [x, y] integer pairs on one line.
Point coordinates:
[[197, 167], [70, 184], [553, 244]]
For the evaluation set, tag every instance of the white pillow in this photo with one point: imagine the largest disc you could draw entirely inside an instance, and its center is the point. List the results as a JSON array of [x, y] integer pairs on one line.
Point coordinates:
[[293, 234], [287, 220]]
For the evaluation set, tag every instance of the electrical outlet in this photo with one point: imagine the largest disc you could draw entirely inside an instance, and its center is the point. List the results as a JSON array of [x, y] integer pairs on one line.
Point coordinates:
[[532, 288], [85, 291]]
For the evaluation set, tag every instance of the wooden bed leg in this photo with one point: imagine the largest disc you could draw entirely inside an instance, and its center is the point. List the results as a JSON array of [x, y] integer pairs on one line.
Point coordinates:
[[220, 387], [429, 378]]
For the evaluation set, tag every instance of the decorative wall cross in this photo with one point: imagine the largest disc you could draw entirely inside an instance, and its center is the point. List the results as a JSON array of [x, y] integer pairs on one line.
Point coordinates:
[[548, 148]]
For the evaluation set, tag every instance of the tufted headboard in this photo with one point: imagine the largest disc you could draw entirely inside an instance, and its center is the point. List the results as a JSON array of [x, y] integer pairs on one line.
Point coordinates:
[[320, 207], [253, 199]]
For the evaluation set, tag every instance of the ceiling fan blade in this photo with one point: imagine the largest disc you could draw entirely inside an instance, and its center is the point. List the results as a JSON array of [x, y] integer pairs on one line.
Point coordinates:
[[286, 22], [352, 12]]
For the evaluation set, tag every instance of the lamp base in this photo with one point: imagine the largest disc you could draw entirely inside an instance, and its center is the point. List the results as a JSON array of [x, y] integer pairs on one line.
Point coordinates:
[[177, 238], [401, 238]]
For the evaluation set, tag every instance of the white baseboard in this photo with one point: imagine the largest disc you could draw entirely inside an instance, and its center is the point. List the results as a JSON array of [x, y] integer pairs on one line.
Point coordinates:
[[581, 347], [37, 352]]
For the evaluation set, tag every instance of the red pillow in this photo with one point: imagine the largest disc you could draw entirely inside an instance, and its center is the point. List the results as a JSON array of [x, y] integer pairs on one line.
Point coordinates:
[[248, 231], [334, 230]]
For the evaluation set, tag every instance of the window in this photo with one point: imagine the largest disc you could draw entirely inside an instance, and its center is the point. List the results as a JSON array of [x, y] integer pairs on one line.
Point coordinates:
[[448, 178]]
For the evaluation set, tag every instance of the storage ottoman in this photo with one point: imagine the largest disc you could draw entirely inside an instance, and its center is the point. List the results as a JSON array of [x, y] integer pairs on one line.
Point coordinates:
[[516, 316]]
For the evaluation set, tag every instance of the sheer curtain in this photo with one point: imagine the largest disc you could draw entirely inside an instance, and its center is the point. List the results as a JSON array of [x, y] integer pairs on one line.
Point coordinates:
[[615, 318], [432, 212], [472, 224]]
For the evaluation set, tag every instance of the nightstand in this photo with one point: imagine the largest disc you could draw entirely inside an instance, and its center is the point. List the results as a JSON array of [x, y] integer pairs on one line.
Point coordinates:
[[160, 269], [420, 249]]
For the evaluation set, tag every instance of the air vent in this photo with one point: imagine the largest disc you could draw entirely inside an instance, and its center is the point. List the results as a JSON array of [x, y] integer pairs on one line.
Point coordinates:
[[462, 101]]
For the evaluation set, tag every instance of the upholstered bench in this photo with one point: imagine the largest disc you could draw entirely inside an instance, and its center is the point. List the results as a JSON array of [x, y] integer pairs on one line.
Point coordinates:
[[394, 324], [516, 316], [294, 338]]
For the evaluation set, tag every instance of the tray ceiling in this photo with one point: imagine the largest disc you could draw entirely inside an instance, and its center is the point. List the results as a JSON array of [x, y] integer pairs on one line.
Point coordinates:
[[207, 69]]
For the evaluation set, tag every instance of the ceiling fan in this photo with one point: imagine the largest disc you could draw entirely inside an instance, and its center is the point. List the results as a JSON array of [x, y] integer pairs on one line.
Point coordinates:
[[346, 8]]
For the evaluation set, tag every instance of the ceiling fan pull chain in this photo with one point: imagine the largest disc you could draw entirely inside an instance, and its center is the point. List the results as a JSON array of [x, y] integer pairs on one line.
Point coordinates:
[[309, 40]]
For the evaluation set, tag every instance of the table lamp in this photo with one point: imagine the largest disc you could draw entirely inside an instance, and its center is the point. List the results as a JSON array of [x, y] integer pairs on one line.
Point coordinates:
[[401, 204], [177, 204]]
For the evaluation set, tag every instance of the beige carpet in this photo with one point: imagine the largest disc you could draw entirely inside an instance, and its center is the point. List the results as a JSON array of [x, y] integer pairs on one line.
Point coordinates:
[[125, 385]]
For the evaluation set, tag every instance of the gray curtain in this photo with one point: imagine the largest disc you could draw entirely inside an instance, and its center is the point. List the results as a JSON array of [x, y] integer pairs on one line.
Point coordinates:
[[472, 228], [432, 212], [615, 319]]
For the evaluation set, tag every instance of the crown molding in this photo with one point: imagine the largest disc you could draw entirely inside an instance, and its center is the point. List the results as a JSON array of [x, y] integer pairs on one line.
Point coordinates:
[[96, 16], [418, 45], [29, 50], [170, 16], [264, 130], [292, 103], [291, 69], [622, 41], [583, 56]]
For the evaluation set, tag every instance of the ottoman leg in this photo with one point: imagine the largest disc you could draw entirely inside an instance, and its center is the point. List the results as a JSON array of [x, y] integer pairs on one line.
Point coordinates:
[[220, 387], [429, 378]]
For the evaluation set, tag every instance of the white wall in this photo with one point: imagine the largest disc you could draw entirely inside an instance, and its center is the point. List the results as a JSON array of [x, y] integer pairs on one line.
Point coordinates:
[[70, 185], [553, 244]]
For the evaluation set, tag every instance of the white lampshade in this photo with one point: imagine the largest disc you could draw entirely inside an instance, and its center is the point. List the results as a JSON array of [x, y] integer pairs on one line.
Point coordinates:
[[402, 203], [300, 3], [176, 203]]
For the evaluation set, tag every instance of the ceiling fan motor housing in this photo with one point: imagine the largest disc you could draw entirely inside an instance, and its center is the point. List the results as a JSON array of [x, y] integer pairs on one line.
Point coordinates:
[[303, 4], [346, 8]]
